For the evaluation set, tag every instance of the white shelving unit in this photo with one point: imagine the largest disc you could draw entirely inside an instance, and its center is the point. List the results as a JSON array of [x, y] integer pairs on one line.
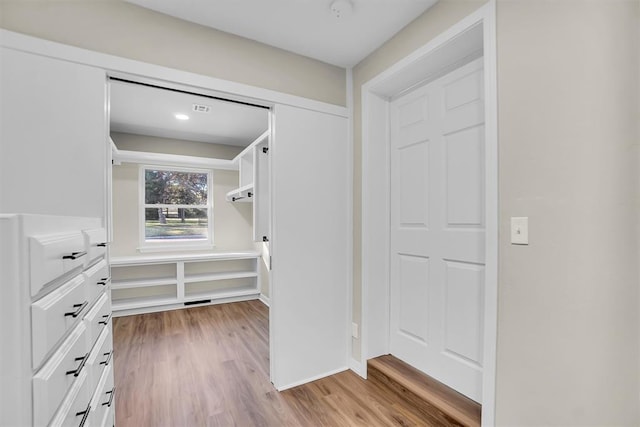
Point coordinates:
[[253, 186], [141, 284]]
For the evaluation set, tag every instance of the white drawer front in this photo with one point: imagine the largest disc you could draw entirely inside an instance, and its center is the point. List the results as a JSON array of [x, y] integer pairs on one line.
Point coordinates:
[[103, 399], [109, 419], [101, 357], [52, 255], [76, 407], [95, 243], [98, 279], [98, 318], [53, 381], [54, 314]]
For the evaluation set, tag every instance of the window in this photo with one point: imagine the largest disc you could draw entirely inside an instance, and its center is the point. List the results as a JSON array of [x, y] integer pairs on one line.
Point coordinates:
[[176, 208]]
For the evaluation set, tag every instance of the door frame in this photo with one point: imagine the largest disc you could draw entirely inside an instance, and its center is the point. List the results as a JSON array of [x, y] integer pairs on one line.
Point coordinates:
[[472, 37]]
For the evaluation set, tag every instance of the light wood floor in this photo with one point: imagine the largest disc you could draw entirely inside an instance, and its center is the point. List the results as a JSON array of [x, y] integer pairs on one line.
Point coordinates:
[[209, 366]]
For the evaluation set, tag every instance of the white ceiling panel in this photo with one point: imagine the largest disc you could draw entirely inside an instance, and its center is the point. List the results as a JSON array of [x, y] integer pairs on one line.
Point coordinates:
[[306, 27], [145, 110]]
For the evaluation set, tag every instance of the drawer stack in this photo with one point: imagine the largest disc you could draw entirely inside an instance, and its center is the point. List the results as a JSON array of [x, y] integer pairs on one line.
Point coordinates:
[[69, 312]]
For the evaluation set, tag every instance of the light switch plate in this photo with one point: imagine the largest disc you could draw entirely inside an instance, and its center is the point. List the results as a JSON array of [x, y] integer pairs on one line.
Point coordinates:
[[520, 230]]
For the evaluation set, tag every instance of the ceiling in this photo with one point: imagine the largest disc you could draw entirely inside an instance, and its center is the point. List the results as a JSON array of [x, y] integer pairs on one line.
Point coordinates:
[[145, 110], [306, 27], [342, 36]]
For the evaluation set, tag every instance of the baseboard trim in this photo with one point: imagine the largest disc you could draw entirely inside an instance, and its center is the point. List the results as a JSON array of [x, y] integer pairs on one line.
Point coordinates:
[[314, 378], [264, 299], [179, 306], [358, 367]]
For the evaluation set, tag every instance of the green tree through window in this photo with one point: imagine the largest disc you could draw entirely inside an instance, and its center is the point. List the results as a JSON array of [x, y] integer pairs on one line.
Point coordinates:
[[176, 205]]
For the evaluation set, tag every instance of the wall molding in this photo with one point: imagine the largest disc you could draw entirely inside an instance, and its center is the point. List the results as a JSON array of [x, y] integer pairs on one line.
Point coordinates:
[[143, 72]]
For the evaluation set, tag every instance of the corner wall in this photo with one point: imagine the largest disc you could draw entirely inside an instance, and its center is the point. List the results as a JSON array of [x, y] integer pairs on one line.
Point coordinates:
[[123, 29]]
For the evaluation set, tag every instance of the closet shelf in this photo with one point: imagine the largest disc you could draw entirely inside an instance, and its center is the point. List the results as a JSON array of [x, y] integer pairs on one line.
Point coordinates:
[[123, 156], [241, 292], [138, 302], [172, 258], [142, 283], [242, 194], [193, 278]]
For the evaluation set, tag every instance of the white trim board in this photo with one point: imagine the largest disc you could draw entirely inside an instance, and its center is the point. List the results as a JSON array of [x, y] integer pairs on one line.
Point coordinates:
[[130, 69], [177, 160], [264, 299], [314, 378], [472, 37]]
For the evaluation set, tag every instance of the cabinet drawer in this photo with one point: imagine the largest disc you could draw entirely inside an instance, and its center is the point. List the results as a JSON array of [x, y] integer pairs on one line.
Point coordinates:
[[101, 357], [54, 314], [53, 381], [76, 407], [97, 278], [95, 241], [53, 255], [109, 419], [98, 318], [103, 399]]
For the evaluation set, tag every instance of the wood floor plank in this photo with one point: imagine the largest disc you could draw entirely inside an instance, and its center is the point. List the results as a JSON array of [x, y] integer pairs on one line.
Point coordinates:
[[209, 366]]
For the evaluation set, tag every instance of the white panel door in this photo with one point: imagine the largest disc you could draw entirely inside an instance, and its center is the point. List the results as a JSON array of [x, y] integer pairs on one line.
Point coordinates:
[[52, 136], [309, 327], [437, 229]]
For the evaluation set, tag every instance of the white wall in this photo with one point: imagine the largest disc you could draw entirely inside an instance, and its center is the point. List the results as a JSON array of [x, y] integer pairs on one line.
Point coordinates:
[[130, 31], [568, 135]]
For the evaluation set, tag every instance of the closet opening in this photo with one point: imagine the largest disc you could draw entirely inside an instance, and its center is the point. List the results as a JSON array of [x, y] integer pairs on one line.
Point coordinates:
[[190, 226]]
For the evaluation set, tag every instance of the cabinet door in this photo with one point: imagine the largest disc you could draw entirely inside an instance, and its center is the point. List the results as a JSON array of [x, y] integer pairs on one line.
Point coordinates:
[[308, 325], [52, 136]]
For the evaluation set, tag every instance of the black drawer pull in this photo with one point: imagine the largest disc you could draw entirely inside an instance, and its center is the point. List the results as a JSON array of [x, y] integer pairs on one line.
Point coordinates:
[[77, 371], [106, 318], [109, 355], [112, 392], [79, 308], [84, 414], [104, 281], [74, 255], [102, 245]]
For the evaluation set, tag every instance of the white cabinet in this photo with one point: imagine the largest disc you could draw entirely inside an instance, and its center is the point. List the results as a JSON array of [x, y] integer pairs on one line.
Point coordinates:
[[53, 135], [164, 282], [52, 309]]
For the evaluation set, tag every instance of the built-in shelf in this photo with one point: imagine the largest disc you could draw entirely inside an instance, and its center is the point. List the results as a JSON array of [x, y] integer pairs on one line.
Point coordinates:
[[221, 294], [134, 303], [142, 283], [166, 281], [242, 194], [219, 276], [140, 157], [246, 163]]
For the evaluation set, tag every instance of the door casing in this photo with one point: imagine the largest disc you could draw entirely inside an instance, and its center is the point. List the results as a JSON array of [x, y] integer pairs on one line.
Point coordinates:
[[471, 38]]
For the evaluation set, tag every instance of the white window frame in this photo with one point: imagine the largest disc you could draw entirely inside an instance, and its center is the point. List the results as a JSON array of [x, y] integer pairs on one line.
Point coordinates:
[[176, 244]]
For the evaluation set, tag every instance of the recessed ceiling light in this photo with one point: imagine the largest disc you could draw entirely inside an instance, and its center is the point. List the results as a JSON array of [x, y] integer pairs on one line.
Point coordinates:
[[180, 116]]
